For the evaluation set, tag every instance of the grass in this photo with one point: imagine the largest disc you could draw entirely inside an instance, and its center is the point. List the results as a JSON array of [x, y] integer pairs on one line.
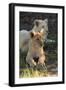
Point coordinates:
[[29, 73]]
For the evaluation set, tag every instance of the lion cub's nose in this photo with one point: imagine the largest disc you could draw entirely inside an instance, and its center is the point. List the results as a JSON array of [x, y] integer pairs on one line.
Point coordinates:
[[36, 59]]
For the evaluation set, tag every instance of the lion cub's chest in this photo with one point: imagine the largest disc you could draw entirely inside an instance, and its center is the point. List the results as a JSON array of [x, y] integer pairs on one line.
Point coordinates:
[[36, 51]]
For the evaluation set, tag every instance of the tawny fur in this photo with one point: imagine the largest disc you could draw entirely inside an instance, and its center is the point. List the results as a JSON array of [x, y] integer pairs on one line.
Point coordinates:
[[36, 49]]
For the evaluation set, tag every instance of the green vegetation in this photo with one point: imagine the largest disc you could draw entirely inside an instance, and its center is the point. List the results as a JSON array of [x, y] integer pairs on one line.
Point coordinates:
[[29, 73]]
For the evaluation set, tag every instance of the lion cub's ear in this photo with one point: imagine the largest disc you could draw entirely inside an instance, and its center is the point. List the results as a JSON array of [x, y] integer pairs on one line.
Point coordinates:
[[32, 34], [36, 22], [46, 21]]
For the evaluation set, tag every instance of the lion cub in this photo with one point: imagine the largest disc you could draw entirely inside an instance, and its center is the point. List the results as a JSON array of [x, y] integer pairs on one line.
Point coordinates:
[[36, 54]]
